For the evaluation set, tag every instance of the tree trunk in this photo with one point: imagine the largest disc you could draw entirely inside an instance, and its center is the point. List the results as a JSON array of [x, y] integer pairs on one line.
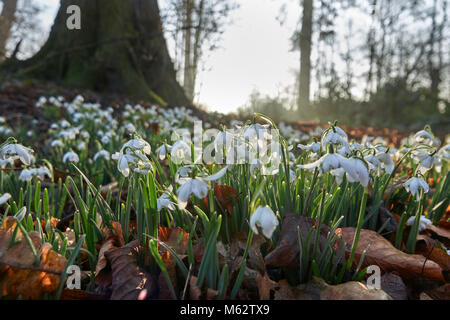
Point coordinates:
[[305, 55], [188, 64], [120, 48], [6, 21]]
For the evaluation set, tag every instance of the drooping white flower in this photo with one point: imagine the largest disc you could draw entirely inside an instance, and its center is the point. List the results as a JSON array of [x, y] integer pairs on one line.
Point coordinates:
[[161, 152], [328, 162], [356, 171], [264, 218], [190, 186], [181, 151], [4, 198], [423, 224], [137, 144], [70, 157], [23, 153], [426, 161], [164, 202], [218, 175], [57, 144], [385, 162], [130, 128], [102, 154], [312, 147], [335, 136], [414, 185], [5, 162], [28, 174]]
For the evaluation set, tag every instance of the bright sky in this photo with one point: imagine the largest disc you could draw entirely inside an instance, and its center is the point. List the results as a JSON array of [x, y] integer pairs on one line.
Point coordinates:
[[254, 54]]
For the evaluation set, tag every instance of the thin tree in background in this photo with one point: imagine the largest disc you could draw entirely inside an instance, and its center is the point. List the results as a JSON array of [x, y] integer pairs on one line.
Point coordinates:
[[7, 17], [305, 55], [196, 27]]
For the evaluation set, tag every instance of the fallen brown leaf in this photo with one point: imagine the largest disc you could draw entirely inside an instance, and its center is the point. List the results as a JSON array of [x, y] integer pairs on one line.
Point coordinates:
[[430, 249], [287, 251], [226, 196], [383, 254], [113, 240], [129, 280], [441, 293], [394, 286], [352, 291], [18, 274]]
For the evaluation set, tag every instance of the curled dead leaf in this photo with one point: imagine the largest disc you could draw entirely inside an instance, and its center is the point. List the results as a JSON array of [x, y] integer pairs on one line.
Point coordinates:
[[129, 280], [18, 274], [383, 254], [287, 251], [353, 291]]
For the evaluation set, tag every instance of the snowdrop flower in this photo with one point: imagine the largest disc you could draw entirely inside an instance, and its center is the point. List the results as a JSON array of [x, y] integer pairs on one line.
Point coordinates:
[[23, 153], [123, 162], [70, 157], [85, 134], [181, 151], [81, 146], [164, 202], [64, 124], [105, 139], [102, 154], [312, 147], [4, 198], [264, 218], [161, 152], [25, 175], [137, 144], [5, 162], [414, 185], [194, 186], [385, 162], [218, 175], [335, 136], [130, 128], [326, 163], [423, 224], [423, 136], [356, 171], [28, 174], [426, 162], [380, 161], [57, 144]]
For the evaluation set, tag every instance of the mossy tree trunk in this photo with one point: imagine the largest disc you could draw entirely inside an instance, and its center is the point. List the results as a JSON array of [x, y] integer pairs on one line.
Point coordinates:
[[120, 48]]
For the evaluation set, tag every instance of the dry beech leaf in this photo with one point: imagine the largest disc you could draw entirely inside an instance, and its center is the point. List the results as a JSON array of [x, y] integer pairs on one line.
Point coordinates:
[[307, 291], [383, 254], [113, 240], [353, 291], [129, 280], [18, 275], [430, 249], [441, 293], [194, 291], [441, 233], [226, 196], [73, 294], [287, 251], [394, 286], [265, 286]]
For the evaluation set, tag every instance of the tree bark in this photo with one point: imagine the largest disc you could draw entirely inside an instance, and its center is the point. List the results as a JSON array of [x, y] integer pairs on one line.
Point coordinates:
[[120, 48], [6, 22], [305, 55], [188, 63]]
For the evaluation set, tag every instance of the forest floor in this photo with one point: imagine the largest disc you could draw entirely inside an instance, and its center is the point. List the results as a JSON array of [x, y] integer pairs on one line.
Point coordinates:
[[115, 193], [18, 99]]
